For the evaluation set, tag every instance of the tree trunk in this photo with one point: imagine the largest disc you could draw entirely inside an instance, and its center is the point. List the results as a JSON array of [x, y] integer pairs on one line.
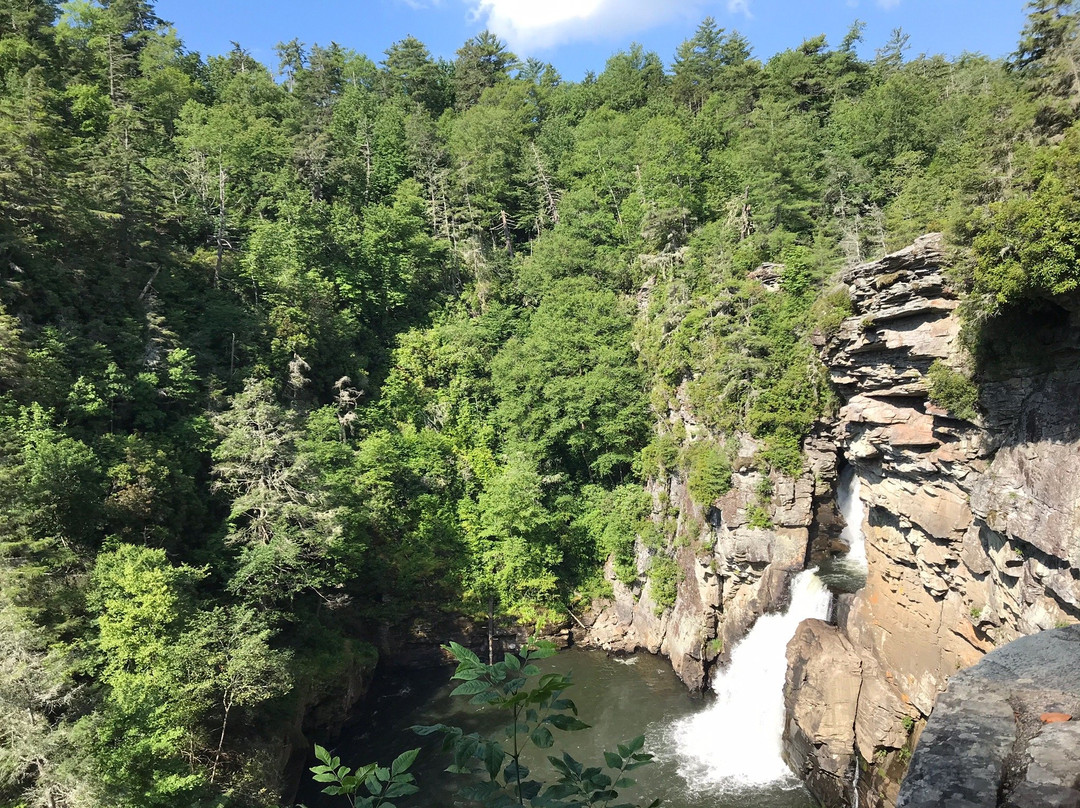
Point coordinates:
[[227, 704], [491, 629]]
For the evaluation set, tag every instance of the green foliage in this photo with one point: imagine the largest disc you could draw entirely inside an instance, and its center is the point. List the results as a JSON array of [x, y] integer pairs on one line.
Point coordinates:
[[153, 705], [286, 532], [536, 714], [283, 360], [382, 784], [758, 517], [1027, 246], [831, 309], [709, 473], [664, 577], [660, 455], [569, 388], [953, 391], [614, 520]]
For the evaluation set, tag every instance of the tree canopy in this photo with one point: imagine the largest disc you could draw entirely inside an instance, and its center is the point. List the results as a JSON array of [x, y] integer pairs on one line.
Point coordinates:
[[293, 354]]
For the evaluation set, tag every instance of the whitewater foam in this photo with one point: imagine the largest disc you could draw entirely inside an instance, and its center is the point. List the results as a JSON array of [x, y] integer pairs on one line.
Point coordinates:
[[735, 744]]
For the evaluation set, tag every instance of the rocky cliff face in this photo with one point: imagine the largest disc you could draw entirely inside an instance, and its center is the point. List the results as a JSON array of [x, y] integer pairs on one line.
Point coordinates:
[[731, 571], [1004, 733], [972, 526]]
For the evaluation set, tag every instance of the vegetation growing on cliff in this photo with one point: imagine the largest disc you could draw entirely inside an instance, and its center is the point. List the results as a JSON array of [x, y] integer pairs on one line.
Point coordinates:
[[291, 354]]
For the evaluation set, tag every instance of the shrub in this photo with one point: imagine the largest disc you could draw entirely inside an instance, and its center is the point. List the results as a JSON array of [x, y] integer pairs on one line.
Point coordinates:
[[952, 391], [661, 454], [831, 309], [758, 517], [664, 577], [709, 476]]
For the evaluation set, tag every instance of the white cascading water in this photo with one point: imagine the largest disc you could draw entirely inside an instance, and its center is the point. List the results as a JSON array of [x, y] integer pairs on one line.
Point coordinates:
[[735, 744], [851, 508]]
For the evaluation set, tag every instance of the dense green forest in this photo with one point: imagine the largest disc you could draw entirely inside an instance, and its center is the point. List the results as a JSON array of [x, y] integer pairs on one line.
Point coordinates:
[[291, 354]]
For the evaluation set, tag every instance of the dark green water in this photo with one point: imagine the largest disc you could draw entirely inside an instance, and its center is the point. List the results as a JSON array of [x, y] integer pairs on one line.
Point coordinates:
[[619, 698]]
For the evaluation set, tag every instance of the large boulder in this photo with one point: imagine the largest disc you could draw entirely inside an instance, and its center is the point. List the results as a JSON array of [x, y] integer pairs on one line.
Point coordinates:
[[1005, 732]]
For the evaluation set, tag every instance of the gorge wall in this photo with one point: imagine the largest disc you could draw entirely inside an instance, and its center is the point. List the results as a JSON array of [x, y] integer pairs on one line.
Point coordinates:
[[972, 526], [730, 571], [971, 523]]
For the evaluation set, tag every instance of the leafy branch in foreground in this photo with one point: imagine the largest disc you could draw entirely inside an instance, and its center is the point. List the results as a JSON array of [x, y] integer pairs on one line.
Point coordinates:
[[534, 712], [382, 784]]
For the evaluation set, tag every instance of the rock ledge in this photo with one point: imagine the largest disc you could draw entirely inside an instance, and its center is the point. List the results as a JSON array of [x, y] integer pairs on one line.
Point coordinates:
[[996, 736]]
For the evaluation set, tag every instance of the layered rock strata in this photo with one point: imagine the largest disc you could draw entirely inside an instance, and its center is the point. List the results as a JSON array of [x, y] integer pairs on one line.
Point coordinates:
[[971, 525]]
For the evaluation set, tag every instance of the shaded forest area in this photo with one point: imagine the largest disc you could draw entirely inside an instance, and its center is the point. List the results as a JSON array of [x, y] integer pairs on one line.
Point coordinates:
[[292, 354]]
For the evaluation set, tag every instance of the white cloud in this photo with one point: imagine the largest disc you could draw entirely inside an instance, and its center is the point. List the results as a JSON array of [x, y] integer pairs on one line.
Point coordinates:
[[534, 24], [887, 4], [739, 7]]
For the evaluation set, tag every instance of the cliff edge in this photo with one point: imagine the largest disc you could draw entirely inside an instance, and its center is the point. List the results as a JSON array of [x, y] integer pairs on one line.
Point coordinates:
[[972, 526]]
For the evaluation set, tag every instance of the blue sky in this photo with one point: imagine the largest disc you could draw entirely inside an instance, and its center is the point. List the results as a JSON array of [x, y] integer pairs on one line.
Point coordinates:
[[579, 35]]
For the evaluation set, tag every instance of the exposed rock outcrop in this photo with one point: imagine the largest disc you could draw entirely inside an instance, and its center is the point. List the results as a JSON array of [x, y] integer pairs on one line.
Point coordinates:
[[971, 525], [1002, 733], [731, 571], [820, 698]]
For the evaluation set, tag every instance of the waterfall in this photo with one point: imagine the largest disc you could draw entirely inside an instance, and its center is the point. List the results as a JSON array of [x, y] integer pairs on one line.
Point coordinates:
[[855, 783], [736, 742], [851, 508]]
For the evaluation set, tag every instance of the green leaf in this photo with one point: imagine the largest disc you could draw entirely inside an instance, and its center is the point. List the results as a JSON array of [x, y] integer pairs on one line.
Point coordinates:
[[625, 782], [514, 771], [551, 681], [432, 729], [325, 777], [493, 758], [613, 761], [403, 761], [530, 788], [481, 792], [560, 791], [530, 670], [465, 748], [470, 688], [400, 790], [543, 649], [637, 743], [512, 662], [463, 654], [322, 754], [566, 722], [467, 673], [488, 697], [541, 737], [567, 704], [572, 764]]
